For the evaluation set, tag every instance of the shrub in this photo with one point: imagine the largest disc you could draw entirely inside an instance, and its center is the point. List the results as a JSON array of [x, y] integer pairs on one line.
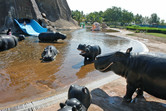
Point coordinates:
[[146, 29]]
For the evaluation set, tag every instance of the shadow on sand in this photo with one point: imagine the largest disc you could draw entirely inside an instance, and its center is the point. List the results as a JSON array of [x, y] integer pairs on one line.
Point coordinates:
[[115, 103]]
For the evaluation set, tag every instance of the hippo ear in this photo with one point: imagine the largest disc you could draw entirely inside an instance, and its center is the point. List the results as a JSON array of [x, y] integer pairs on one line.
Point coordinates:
[[85, 90], [62, 105], [71, 87], [129, 50]]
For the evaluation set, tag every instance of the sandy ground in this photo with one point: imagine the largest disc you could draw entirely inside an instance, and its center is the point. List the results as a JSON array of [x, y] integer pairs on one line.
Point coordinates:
[[109, 96]]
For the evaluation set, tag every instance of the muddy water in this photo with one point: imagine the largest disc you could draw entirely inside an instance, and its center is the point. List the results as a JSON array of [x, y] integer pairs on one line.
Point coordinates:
[[24, 77]]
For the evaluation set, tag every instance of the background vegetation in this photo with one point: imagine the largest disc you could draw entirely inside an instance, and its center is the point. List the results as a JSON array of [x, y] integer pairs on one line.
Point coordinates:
[[116, 16]]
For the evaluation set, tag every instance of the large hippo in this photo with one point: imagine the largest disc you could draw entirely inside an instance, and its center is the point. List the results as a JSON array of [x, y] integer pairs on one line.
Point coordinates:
[[89, 52], [143, 72], [51, 36], [7, 42], [49, 53], [79, 99]]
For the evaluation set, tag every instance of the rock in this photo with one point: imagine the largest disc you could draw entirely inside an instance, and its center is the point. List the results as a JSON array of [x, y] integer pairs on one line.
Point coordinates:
[[52, 10]]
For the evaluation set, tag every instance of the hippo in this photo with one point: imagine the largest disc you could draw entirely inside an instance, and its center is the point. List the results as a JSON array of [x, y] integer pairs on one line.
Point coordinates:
[[143, 72], [49, 53], [21, 37], [89, 52], [79, 99], [51, 36], [7, 42], [72, 104]]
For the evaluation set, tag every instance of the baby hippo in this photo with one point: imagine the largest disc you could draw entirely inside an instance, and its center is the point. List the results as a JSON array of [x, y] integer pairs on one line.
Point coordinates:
[[89, 52], [49, 53], [79, 99], [72, 104]]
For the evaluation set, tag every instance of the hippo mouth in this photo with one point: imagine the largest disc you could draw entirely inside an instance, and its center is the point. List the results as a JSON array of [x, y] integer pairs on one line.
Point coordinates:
[[48, 58], [82, 52], [104, 69]]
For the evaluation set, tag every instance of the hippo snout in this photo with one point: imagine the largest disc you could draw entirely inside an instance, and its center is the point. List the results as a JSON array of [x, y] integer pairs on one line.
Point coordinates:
[[63, 36], [47, 58]]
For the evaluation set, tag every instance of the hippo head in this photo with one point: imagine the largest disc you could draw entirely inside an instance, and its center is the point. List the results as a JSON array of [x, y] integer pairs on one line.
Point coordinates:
[[83, 48], [81, 93], [21, 37], [49, 53], [72, 105], [60, 35], [112, 62]]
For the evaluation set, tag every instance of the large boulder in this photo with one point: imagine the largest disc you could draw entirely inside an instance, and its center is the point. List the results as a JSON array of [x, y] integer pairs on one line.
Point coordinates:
[[47, 11]]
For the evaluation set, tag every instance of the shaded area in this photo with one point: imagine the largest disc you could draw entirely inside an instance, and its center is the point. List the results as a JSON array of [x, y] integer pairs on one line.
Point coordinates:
[[115, 103]]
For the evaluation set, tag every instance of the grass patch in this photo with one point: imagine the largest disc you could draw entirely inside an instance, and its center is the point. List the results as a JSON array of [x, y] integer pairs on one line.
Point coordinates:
[[146, 29], [157, 34]]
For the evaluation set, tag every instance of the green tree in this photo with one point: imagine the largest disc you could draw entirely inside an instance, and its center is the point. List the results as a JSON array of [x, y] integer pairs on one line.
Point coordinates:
[[95, 17], [78, 16], [127, 17], [138, 19], [154, 19], [162, 22], [113, 15], [145, 20]]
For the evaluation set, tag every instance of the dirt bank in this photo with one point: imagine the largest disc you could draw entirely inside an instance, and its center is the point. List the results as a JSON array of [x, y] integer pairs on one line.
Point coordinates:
[[109, 96]]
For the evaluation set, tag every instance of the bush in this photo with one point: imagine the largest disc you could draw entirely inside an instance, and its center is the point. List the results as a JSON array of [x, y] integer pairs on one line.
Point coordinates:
[[146, 29]]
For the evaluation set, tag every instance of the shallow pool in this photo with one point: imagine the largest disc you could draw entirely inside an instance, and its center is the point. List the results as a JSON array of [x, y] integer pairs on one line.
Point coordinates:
[[24, 77]]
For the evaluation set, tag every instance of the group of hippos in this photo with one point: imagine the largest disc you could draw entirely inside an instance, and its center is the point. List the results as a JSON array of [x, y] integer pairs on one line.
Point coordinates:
[[143, 71], [11, 41]]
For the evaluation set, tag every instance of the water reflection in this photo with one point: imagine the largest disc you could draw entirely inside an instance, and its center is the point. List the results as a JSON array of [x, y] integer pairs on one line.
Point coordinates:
[[23, 76]]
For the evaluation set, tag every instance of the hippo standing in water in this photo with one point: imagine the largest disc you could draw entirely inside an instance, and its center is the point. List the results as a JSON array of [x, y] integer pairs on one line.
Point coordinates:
[[143, 72], [79, 99], [51, 37], [49, 53], [7, 42], [89, 52]]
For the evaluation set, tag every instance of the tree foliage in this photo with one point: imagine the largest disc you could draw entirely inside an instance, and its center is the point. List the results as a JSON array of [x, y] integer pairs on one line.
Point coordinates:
[[127, 17], [154, 19], [95, 17], [78, 16], [116, 15], [113, 15]]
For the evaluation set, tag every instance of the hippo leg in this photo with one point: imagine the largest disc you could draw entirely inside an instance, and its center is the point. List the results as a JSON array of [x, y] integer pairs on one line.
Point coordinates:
[[139, 93], [85, 59], [129, 92]]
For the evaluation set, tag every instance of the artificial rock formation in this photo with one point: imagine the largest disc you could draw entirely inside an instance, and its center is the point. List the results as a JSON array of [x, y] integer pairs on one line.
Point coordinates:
[[50, 13]]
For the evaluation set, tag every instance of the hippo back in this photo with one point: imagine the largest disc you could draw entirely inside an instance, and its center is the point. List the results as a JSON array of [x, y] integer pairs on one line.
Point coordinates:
[[51, 36], [47, 36]]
